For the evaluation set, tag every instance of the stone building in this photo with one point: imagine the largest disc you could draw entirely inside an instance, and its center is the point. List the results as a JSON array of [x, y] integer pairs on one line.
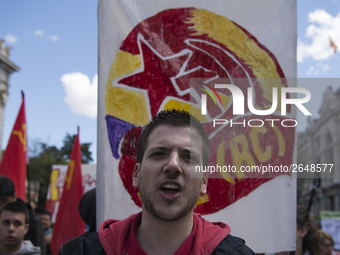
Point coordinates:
[[6, 68], [320, 144]]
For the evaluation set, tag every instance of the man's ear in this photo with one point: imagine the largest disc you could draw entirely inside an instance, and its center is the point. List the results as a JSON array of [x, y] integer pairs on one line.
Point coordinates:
[[303, 232], [204, 184], [135, 175], [26, 228]]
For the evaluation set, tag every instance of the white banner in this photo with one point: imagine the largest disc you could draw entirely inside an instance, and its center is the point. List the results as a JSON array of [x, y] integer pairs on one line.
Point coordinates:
[[148, 52], [57, 179], [330, 223]]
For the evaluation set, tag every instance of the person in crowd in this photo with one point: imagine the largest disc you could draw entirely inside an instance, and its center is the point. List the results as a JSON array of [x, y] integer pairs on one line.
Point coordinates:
[[307, 237], [87, 211], [327, 244], [46, 219], [13, 226], [168, 147], [35, 231]]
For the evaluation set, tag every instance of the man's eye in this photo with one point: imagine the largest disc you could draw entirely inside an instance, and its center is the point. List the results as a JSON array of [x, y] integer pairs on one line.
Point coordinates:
[[189, 158], [17, 223], [5, 223], [157, 154], [192, 158]]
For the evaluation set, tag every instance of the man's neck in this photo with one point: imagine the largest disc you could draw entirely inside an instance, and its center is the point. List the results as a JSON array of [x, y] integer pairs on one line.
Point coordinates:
[[157, 236], [8, 251]]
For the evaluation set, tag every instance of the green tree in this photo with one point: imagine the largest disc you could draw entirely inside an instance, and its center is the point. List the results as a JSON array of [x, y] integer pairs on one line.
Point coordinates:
[[68, 146], [43, 156]]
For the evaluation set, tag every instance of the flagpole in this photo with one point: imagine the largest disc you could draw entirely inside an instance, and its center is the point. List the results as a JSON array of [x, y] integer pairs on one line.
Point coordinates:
[[330, 71], [27, 167], [28, 183], [332, 44]]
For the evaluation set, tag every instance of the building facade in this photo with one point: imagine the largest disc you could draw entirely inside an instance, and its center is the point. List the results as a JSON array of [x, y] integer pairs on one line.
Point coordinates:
[[320, 144], [6, 68]]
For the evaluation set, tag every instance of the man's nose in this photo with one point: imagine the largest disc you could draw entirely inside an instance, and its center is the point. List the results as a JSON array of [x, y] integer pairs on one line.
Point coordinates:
[[11, 227], [174, 164]]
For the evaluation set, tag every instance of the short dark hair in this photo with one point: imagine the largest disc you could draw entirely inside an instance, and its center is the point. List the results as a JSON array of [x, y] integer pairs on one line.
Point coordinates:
[[176, 118], [16, 207], [42, 210], [7, 188]]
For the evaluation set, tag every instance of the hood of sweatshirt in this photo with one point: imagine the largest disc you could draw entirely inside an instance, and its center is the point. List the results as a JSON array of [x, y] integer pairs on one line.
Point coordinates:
[[113, 233], [28, 248]]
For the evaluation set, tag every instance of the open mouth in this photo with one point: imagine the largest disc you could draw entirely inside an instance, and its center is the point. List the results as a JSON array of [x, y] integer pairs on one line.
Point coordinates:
[[9, 238], [170, 188]]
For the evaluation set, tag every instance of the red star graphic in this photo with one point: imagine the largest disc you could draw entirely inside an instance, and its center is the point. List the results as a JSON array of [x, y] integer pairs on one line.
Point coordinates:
[[156, 77]]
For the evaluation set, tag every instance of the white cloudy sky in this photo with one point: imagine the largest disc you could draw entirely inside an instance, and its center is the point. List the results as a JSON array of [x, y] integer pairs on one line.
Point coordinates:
[[81, 93], [323, 27], [55, 45]]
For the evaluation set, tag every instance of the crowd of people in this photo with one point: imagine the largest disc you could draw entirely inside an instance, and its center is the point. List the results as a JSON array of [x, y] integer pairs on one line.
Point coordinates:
[[166, 225], [309, 239], [27, 231]]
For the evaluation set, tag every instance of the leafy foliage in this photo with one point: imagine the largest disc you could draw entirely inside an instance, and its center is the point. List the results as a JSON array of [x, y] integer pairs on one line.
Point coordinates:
[[68, 146]]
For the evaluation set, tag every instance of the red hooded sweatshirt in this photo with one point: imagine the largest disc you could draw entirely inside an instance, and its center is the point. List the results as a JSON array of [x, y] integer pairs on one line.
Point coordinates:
[[208, 234]]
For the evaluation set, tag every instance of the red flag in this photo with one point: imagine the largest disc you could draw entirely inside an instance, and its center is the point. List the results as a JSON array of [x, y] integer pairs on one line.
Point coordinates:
[[13, 163], [332, 44], [68, 223]]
